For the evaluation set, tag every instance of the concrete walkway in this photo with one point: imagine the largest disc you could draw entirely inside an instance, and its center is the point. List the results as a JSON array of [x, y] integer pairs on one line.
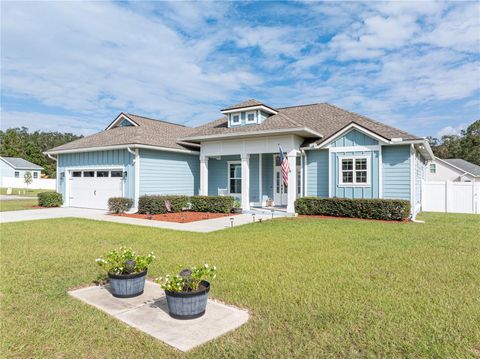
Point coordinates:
[[208, 225], [14, 197], [149, 313]]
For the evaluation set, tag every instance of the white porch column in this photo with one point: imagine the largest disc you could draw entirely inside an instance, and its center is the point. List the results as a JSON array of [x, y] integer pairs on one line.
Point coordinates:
[[245, 182], [292, 181], [204, 176]]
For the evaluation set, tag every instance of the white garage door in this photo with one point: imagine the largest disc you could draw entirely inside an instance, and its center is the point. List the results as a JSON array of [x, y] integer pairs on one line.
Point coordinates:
[[93, 188]]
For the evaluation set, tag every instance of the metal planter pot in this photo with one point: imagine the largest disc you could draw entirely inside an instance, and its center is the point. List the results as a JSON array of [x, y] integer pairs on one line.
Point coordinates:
[[188, 305], [127, 285]]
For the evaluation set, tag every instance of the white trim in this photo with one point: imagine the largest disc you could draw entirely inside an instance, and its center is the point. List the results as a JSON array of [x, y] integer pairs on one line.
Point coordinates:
[[346, 129], [412, 180], [301, 175], [252, 134], [368, 158], [355, 148], [118, 147], [254, 113], [250, 108], [235, 123], [203, 190], [330, 179], [260, 181], [228, 177], [380, 173], [122, 117], [305, 176]]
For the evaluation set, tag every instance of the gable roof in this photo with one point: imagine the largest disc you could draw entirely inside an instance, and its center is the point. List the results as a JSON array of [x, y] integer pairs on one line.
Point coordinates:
[[149, 132], [322, 118], [249, 103], [20, 164], [463, 165]]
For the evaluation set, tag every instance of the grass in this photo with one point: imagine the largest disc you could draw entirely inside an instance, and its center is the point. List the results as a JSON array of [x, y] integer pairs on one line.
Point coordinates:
[[17, 205], [25, 192], [315, 288]]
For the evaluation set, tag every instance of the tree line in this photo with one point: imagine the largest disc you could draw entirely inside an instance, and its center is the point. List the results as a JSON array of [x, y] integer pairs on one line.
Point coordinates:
[[466, 145], [19, 142]]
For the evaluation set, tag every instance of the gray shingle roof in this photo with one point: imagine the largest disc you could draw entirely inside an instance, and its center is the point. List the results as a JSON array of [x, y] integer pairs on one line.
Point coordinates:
[[21, 164], [148, 132], [322, 118], [248, 103], [464, 165]]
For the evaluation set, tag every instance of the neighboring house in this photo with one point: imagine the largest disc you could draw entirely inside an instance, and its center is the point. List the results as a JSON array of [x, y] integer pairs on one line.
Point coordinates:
[[453, 169], [15, 167], [331, 153]]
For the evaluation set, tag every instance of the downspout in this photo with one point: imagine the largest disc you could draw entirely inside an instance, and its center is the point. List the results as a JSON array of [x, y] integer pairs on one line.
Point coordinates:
[[136, 163]]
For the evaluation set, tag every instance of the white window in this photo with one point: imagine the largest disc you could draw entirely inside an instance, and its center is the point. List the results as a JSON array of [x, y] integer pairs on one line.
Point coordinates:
[[234, 177], [35, 174], [354, 171], [251, 117], [433, 168], [17, 174], [236, 119]]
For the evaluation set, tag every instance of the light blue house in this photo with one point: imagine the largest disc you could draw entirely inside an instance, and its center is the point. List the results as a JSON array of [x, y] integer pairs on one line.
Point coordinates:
[[331, 153], [13, 169]]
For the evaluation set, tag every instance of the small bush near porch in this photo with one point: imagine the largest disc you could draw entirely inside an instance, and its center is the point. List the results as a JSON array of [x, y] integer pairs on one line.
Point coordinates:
[[315, 288], [384, 209]]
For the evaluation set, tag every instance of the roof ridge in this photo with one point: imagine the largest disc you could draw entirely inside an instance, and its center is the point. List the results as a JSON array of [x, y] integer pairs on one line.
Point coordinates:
[[154, 119], [369, 119], [308, 104]]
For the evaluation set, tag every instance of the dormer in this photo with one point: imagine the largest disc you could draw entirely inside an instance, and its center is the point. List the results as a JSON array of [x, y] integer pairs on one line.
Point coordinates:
[[247, 113]]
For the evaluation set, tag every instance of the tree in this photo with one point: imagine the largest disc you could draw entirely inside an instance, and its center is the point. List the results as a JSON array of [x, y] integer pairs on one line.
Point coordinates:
[[27, 178], [466, 145]]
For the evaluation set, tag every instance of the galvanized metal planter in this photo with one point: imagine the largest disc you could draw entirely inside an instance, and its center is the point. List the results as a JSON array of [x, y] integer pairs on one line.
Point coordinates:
[[188, 305], [127, 285]]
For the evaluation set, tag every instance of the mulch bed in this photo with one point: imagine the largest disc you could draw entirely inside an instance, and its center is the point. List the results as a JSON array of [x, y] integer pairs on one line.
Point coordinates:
[[355, 219], [180, 217]]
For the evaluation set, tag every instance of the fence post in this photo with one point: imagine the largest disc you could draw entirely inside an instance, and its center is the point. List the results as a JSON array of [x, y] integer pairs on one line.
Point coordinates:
[[448, 191]]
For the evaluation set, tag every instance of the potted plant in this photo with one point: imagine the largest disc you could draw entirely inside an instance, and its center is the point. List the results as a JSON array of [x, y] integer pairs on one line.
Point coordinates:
[[237, 207], [126, 271], [187, 292]]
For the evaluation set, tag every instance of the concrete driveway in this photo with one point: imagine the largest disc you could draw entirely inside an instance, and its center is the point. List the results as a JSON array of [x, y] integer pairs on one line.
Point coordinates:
[[208, 225]]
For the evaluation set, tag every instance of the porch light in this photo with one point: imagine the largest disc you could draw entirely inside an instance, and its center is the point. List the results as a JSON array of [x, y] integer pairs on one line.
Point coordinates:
[[62, 175], [125, 174]]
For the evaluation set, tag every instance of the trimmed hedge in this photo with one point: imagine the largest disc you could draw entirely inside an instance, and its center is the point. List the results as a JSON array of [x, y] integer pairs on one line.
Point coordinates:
[[119, 204], [50, 199], [214, 204], [385, 209], [156, 204]]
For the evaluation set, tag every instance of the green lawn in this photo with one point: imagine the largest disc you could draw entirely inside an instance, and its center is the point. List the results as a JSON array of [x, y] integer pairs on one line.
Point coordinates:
[[18, 205], [25, 192], [315, 288]]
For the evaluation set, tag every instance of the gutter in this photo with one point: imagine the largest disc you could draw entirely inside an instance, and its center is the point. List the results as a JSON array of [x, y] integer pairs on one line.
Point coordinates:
[[118, 147]]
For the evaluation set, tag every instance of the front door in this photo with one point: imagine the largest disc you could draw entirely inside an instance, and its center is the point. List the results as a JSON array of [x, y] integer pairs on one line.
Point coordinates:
[[280, 191]]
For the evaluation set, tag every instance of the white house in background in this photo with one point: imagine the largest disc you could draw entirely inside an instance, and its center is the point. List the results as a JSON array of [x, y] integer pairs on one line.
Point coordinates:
[[453, 169], [16, 167]]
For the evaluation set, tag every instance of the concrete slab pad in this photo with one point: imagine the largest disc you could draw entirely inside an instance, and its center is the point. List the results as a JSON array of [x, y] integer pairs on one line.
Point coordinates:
[[149, 313]]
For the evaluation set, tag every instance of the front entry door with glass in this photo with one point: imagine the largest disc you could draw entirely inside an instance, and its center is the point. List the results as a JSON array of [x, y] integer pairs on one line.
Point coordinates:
[[280, 191]]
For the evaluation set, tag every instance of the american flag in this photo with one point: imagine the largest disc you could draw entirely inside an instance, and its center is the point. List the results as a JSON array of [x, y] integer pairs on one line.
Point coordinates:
[[284, 165]]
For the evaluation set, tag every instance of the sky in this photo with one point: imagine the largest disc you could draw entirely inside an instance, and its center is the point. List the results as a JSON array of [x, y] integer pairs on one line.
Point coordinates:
[[74, 66]]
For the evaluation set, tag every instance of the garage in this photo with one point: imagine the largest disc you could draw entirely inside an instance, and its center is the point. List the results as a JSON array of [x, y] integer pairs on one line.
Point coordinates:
[[91, 188]]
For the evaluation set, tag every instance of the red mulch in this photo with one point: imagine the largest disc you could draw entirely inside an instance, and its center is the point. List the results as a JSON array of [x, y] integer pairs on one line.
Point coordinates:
[[355, 219], [180, 217]]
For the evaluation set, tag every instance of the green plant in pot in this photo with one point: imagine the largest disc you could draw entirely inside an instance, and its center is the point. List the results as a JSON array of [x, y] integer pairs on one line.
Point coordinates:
[[126, 271], [187, 292], [237, 207]]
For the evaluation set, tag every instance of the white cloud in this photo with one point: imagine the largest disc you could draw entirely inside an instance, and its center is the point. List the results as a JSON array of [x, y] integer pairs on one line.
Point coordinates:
[[450, 130]]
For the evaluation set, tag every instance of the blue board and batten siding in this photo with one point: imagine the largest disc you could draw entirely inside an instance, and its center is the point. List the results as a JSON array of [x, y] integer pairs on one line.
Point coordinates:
[[317, 173], [396, 172], [354, 138], [164, 172], [98, 160]]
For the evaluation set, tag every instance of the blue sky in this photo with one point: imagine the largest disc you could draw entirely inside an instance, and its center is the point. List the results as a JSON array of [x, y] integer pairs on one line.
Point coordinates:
[[73, 66]]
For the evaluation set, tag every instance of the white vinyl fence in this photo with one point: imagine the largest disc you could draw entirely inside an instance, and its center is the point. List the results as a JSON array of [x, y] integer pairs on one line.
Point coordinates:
[[37, 183], [452, 197]]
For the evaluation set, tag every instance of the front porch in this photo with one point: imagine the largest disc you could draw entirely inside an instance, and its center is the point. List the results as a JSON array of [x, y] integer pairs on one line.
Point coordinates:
[[254, 179]]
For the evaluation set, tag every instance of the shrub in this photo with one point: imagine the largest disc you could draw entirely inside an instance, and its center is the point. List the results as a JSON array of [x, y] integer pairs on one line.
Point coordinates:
[[386, 209], [124, 261], [214, 204], [50, 199], [156, 204], [119, 204]]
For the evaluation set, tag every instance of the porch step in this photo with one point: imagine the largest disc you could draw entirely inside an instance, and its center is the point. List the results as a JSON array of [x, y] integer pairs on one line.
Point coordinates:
[[266, 211]]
